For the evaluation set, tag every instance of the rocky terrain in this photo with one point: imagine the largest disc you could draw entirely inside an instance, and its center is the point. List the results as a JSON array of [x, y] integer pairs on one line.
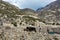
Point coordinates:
[[27, 24], [51, 13]]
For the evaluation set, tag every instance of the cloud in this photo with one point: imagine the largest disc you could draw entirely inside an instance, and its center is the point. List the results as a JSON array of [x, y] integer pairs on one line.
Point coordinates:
[[33, 4]]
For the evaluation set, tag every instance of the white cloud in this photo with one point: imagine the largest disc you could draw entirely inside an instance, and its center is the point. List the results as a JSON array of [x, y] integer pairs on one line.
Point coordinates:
[[34, 4]]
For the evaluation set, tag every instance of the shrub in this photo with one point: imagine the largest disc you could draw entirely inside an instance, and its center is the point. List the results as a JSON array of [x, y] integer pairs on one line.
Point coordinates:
[[15, 24], [56, 38]]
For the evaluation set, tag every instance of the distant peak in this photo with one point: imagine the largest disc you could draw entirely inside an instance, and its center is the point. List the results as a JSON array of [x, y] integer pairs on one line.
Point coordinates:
[[28, 9]]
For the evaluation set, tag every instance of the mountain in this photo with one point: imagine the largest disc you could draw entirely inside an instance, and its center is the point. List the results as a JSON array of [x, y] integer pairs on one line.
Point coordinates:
[[29, 11], [11, 11], [18, 24], [38, 10], [51, 12], [25, 24], [13, 14]]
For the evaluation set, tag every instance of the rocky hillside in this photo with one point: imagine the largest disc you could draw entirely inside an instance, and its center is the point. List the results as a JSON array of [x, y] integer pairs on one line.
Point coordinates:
[[24, 24], [51, 13], [18, 24], [10, 12]]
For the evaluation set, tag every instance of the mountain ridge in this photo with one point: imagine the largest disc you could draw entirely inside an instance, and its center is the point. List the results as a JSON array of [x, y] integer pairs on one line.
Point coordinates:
[[51, 12]]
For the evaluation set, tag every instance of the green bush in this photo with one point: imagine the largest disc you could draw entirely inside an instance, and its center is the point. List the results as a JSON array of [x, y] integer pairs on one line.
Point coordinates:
[[15, 24]]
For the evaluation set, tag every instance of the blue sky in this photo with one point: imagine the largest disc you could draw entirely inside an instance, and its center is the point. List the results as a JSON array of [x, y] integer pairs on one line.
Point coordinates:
[[33, 4]]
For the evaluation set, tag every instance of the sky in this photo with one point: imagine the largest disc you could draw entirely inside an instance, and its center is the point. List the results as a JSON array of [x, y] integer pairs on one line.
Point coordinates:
[[33, 4]]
